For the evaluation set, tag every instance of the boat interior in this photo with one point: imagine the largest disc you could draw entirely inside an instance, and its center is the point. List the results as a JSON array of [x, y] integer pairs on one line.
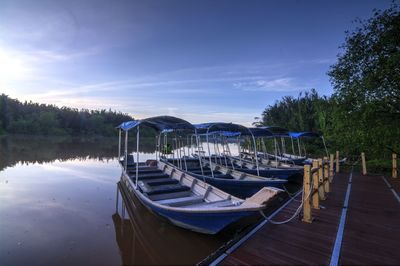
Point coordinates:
[[160, 187]]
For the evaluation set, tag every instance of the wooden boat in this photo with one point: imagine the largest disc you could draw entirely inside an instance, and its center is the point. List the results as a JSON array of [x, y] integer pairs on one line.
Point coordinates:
[[283, 171], [237, 183], [180, 197]]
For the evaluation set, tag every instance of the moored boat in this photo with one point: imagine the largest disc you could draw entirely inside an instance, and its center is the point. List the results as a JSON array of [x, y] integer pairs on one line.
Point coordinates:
[[178, 196]]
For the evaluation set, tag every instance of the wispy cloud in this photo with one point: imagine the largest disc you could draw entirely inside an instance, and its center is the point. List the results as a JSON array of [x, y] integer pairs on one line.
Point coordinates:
[[269, 85]]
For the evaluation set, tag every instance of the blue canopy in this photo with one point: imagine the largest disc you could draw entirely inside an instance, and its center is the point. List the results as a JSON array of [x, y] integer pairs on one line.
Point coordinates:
[[277, 131], [304, 134], [260, 132], [125, 126], [222, 128], [159, 123]]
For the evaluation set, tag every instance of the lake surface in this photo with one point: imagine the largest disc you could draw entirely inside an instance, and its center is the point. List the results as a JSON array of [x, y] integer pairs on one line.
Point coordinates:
[[58, 206]]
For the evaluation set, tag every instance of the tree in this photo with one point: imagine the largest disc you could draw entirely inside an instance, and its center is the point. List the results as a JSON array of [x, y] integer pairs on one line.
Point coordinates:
[[308, 112], [366, 80]]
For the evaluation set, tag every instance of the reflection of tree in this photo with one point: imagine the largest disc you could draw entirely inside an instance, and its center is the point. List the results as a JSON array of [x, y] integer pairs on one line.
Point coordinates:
[[28, 149]]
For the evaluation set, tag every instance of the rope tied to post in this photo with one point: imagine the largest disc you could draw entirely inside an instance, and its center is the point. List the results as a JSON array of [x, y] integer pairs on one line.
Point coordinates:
[[295, 214]]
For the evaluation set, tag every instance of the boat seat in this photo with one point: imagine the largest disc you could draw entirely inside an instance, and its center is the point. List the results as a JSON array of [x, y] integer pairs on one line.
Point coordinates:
[[148, 177], [154, 175], [172, 195], [184, 201], [148, 170], [224, 176], [162, 189], [205, 172], [220, 203], [161, 181]]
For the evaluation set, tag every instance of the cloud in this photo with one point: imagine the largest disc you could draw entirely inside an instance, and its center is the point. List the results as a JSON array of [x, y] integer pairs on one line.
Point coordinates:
[[270, 85]]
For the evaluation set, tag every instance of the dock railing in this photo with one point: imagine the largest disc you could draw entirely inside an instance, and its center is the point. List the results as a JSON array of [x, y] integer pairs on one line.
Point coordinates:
[[316, 183]]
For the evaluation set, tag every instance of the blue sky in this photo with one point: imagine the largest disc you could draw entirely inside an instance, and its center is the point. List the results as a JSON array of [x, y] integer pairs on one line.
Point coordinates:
[[199, 60]]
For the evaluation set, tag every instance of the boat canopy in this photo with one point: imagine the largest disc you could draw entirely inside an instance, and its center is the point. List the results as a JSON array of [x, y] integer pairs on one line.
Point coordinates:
[[304, 134], [260, 132], [277, 131], [159, 123], [226, 129]]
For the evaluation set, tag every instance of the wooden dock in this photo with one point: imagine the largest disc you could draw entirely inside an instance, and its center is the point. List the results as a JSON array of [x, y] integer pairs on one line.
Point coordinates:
[[358, 223]]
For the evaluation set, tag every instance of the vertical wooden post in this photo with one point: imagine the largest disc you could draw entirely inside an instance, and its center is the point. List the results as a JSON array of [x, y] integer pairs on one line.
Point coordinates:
[[321, 187], [315, 192], [364, 166], [394, 164], [337, 162], [331, 168], [307, 216], [326, 175]]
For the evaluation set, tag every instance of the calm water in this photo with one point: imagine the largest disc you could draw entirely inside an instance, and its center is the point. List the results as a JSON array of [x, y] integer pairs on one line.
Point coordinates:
[[58, 206]]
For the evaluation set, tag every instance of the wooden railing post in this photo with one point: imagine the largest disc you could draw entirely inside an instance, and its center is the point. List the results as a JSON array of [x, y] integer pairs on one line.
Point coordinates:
[[315, 192], [321, 188], [331, 168], [364, 166], [394, 165], [307, 216], [326, 175], [337, 162]]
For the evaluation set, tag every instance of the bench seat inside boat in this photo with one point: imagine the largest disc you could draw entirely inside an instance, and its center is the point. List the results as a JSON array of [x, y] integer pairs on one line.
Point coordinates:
[[144, 169], [224, 176], [179, 202], [205, 172], [161, 181], [162, 187], [149, 176], [220, 203]]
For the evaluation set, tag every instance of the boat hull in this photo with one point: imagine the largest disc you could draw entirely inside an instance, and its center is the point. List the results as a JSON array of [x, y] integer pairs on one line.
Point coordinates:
[[201, 222], [288, 174]]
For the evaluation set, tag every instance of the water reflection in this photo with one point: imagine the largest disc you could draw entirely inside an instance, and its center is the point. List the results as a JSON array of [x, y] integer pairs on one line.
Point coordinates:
[[22, 149], [57, 206], [144, 238]]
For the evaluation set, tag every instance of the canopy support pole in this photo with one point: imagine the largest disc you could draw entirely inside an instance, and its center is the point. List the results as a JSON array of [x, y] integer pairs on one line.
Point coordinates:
[[291, 138], [255, 152], [240, 155], [198, 148], [298, 145], [119, 145], [209, 153], [137, 155], [126, 150], [276, 151]]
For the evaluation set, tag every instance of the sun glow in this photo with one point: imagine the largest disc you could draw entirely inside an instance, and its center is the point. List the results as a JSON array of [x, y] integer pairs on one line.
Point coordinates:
[[11, 67]]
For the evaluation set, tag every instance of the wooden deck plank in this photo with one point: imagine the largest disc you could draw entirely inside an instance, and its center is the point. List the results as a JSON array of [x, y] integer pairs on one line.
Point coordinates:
[[371, 234], [296, 242], [373, 227]]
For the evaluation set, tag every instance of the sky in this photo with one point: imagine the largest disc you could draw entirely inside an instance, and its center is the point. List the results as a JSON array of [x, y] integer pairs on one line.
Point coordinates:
[[199, 60]]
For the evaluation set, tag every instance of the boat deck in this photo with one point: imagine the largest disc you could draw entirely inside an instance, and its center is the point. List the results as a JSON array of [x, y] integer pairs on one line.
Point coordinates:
[[366, 232]]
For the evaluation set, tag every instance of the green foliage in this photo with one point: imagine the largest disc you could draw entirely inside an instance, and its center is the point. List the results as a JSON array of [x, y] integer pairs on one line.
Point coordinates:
[[366, 79], [40, 119], [308, 112], [363, 114]]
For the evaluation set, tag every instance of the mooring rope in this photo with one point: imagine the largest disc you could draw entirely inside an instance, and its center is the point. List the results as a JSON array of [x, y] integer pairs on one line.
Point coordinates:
[[296, 213], [290, 194]]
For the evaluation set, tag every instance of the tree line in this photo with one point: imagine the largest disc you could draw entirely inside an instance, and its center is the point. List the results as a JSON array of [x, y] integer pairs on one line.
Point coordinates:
[[363, 113], [42, 119]]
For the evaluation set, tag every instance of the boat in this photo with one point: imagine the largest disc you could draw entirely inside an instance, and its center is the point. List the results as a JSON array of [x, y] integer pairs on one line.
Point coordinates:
[[176, 195], [238, 183], [298, 136], [279, 150]]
